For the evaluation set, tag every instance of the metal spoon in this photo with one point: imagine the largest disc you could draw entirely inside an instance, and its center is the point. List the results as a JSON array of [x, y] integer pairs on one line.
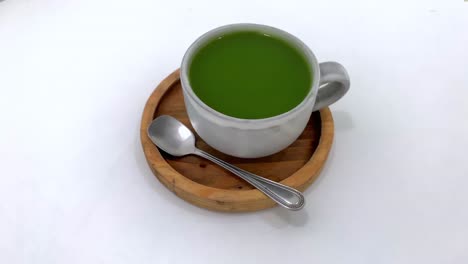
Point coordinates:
[[176, 139]]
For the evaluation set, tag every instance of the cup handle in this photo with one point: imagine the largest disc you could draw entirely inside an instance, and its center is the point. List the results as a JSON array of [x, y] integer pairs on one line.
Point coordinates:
[[334, 83]]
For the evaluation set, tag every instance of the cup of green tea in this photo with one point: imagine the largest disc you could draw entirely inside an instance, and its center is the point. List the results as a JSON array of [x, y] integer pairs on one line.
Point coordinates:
[[250, 89]]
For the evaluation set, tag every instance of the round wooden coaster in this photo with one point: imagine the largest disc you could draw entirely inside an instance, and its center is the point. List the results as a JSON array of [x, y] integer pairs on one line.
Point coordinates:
[[205, 184]]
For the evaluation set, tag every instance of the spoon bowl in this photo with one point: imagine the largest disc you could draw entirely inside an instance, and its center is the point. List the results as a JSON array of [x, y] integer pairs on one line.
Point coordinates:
[[172, 136]]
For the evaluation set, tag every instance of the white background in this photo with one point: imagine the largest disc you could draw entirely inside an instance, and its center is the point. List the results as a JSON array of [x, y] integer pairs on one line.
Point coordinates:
[[75, 187]]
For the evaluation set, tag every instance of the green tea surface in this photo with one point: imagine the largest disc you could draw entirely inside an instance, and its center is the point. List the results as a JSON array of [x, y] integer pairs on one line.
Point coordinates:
[[250, 75]]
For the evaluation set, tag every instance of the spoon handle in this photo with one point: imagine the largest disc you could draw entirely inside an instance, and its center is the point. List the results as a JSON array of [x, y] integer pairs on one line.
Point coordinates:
[[284, 195]]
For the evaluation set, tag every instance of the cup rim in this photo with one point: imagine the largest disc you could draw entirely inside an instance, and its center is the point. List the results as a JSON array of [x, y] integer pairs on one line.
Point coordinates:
[[309, 99]]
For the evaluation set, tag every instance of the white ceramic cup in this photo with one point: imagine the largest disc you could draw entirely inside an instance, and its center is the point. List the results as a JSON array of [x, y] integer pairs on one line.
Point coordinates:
[[253, 138]]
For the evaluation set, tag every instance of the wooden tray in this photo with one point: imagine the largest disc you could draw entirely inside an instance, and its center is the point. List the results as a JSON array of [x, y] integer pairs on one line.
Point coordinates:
[[205, 184]]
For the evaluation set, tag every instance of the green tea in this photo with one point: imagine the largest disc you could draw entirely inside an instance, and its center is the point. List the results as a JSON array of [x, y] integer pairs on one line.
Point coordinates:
[[250, 75]]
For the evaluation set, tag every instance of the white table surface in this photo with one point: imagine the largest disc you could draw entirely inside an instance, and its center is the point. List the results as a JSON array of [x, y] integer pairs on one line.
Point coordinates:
[[75, 187]]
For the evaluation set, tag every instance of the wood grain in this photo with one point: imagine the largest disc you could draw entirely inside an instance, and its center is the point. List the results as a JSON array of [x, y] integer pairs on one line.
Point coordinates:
[[205, 184]]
